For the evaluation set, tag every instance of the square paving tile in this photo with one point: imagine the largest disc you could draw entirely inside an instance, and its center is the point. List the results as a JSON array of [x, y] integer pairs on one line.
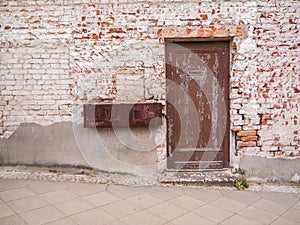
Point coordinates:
[[279, 198], [144, 200], [12, 220], [86, 189], [246, 197], [5, 210], [191, 219], [293, 214], [64, 221], [28, 203], [213, 213], [164, 193], [297, 205], [117, 222], [121, 209], [260, 216], [270, 206], [41, 215], [125, 192], [93, 217], [143, 218], [14, 194], [297, 195], [41, 187], [239, 220], [101, 198], [229, 204], [74, 206], [59, 196], [186, 202], [285, 221], [12, 184], [167, 211], [202, 194]]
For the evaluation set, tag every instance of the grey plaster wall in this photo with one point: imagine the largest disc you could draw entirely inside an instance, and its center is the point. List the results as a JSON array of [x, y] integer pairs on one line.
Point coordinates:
[[68, 144], [33, 144], [259, 168]]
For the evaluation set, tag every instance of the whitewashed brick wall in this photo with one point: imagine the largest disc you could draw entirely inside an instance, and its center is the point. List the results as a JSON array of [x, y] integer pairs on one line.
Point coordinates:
[[57, 54]]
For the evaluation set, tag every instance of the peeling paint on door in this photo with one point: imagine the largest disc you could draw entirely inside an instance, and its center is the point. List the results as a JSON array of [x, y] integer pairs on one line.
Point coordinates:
[[197, 83]]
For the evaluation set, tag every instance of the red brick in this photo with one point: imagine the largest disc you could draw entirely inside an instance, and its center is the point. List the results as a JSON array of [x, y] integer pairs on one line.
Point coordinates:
[[250, 138], [223, 31], [251, 127], [188, 31], [245, 133], [266, 117], [159, 32], [105, 24], [239, 31], [246, 144], [236, 128], [204, 16]]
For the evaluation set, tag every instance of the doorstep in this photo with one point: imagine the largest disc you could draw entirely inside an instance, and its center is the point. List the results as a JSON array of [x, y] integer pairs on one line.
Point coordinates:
[[223, 177]]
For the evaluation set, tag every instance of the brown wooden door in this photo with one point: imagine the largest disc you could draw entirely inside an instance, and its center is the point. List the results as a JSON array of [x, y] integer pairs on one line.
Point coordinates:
[[197, 105]]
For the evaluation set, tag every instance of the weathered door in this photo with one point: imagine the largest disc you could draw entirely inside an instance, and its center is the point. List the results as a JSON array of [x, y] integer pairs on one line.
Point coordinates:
[[197, 105]]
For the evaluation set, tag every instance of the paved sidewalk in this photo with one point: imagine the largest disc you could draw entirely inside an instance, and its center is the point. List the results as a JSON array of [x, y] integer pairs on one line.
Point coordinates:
[[42, 202]]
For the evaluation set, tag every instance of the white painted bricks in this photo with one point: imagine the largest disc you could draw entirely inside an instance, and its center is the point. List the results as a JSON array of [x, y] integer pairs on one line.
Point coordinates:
[[56, 54]]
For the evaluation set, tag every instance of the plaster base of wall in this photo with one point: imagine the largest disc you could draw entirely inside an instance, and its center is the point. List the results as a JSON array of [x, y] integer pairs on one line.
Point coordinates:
[[33, 144], [69, 144], [271, 169]]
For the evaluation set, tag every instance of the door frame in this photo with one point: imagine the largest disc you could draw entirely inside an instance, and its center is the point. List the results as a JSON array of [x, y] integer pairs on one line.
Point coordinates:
[[230, 137]]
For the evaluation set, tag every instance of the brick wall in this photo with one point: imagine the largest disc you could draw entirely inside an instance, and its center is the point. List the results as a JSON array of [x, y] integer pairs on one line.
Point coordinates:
[[35, 65], [62, 53], [277, 36], [267, 98]]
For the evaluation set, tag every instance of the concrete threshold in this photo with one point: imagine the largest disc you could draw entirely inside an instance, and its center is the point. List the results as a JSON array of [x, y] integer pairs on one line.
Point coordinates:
[[223, 177]]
